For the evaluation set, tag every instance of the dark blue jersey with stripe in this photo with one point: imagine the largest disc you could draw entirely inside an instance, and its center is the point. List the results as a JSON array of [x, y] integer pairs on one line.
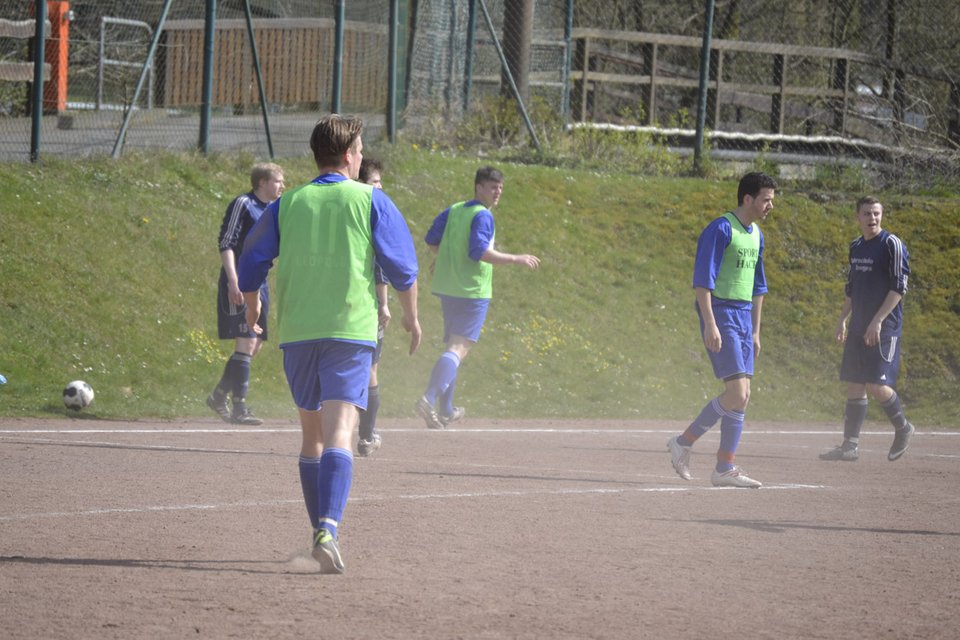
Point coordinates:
[[877, 266], [240, 217]]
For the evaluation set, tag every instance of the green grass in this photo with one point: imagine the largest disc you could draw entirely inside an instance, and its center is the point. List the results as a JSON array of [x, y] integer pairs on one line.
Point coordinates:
[[109, 275]]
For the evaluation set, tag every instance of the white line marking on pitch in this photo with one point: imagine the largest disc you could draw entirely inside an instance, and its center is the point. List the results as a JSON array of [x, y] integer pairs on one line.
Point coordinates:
[[128, 445], [776, 432], [411, 497]]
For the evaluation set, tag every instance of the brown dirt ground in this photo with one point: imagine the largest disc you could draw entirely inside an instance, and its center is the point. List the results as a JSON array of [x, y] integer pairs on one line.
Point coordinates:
[[497, 529]]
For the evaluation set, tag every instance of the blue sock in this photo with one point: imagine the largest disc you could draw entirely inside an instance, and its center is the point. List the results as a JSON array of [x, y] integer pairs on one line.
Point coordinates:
[[335, 478], [445, 408], [310, 482], [708, 417], [368, 418], [731, 426], [443, 374]]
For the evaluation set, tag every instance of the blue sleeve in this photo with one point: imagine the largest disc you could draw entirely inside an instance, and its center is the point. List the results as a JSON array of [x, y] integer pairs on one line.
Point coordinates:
[[435, 234], [713, 242], [261, 247], [760, 276], [482, 230], [392, 242]]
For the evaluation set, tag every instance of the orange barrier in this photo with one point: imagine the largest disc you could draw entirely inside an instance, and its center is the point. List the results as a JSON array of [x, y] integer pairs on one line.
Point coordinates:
[[56, 55]]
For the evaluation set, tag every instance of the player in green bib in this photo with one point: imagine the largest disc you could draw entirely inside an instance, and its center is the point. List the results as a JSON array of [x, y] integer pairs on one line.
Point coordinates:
[[328, 235], [730, 284], [463, 238]]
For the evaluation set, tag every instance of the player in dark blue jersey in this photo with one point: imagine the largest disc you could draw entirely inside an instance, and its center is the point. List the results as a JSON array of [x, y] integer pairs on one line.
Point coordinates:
[[369, 440], [730, 284], [267, 182], [871, 322]]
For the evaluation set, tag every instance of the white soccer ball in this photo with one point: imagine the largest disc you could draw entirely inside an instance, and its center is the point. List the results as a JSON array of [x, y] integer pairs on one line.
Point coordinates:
[[77, 395]]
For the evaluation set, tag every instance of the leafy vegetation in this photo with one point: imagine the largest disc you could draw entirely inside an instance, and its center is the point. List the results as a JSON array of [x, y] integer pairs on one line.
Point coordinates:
[[109, 275]]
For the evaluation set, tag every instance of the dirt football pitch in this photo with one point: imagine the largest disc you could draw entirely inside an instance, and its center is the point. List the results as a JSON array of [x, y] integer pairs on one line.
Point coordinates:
[[496, 529]]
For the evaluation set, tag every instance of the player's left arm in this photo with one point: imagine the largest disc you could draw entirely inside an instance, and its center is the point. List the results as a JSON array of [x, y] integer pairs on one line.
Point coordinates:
[[759, 291], [397, 257], [482, 233], [755, 314], [898, 272]]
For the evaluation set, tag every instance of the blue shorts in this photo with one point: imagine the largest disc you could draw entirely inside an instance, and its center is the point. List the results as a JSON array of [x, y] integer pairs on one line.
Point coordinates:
[[463, 316], [879, 364], [736, 347], [231, 318], [327, 370]]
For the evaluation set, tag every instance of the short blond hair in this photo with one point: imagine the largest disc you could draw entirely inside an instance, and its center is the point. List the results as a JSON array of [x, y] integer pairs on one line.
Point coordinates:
[[263, 171]]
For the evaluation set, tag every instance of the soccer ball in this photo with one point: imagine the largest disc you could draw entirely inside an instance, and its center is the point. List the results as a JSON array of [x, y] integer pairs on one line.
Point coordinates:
[[77, 395]]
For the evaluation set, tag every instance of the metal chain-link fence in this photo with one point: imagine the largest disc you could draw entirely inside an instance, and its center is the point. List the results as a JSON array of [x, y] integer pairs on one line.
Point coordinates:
[[882, 71], [866, 75], [107, 41]]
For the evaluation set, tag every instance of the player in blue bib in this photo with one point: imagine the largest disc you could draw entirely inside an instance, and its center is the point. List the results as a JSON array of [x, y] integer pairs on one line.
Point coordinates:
[[463, 238], [730, 284], [870, 325]]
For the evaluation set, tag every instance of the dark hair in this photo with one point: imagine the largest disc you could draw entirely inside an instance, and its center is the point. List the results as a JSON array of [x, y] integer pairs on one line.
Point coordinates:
[[865, 200], [752, 183], [332, 137], [488, 174], [367, 165]]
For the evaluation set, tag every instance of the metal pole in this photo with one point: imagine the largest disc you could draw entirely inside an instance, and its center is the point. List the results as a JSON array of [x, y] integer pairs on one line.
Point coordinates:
[[568, 53], [256, 66], [506, 70], [338, 58], [704, 81], [206, 99], [36, 91], [392, 71], [118, 144], [471, 44]]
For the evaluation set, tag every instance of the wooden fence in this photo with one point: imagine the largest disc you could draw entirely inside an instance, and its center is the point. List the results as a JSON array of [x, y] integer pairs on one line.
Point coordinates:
[[645, 77], [296, 59]]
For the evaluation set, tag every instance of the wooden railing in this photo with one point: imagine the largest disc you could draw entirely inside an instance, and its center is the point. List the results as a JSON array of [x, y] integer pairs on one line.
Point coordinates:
[[296, 58], [648, 77], [20, 71]]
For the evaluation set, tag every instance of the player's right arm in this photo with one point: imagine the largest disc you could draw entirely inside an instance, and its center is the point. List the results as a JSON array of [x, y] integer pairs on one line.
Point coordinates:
[[229, 260], [711, 333], [711, 245], [229, 241], [842, 322]]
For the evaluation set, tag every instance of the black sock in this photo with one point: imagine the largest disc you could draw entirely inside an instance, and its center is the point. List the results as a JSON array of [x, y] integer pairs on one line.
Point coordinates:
[[895, 412], [240, 374], [368, 418], [853, 417]]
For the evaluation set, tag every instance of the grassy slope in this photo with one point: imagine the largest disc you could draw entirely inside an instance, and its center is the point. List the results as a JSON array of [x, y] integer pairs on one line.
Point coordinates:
[[109, 275]]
